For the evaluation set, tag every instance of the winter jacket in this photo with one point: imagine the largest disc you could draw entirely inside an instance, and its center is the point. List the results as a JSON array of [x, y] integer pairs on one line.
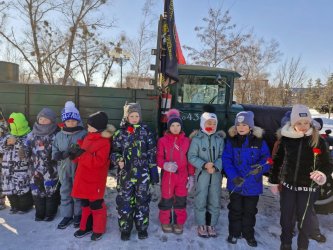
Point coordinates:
[[294, 159], [240, 155], [206, 148], [43, 169], [93, 165], [136, 146], [15, 170], [172, 148]]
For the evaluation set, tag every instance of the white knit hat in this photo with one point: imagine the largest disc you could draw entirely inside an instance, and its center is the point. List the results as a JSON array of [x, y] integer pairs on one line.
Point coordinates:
[[70, 112], [299, 112], [208, 114]]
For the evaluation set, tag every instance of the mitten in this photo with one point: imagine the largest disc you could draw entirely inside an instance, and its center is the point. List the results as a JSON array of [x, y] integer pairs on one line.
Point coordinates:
[[170, 166], [154, 191], [75, 152], [21, 153], [190, 184], [57, 156], [318, 177], [238, 181], [274, 189], [257, 168]]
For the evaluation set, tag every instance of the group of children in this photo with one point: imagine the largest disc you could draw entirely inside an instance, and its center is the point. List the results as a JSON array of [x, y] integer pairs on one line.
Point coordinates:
[[39, 164]]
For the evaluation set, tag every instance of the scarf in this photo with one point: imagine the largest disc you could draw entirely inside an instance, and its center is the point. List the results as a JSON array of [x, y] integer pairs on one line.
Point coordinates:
[[45, 129]]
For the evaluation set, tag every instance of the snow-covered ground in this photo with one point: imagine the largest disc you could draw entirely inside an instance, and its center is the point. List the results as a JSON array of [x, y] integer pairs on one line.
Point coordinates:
[[22, 232]]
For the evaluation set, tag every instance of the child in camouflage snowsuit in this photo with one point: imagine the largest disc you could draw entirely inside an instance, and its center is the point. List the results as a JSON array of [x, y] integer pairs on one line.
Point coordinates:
[[134, 151], [44, 172], [3, 133], [15, 168]]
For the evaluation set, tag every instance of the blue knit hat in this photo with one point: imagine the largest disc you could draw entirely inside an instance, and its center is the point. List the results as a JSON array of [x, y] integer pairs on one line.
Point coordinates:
[[246, 117], [70, 112]]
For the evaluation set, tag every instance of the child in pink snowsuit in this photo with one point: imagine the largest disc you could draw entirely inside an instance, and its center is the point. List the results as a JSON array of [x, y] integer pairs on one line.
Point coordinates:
[[177, 175]]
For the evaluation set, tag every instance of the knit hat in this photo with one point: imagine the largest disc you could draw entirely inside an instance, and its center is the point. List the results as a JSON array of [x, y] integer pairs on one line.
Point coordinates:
[[299, 112], [285, 118], [47, 113], [98, 120], [18, 124], [131, 108], [246, 117], [70, 112], [208, 114], [173, 115]]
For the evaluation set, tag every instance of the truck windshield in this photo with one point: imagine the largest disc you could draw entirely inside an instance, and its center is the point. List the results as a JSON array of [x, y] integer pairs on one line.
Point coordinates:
[[201, 89]]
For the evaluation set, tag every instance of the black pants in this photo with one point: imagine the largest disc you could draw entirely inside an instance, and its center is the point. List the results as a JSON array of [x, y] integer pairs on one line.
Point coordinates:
[[46, 206], [94, 205], [242, 215], [296, 201], [21, 202]]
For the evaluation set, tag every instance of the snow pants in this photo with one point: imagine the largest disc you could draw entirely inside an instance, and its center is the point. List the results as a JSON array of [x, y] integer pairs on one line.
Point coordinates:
[[173, 196], [69, 206], [46, 206], [21, 202], [296, 201], [133, 199], [242, 215], [207, 199], [94, 215]]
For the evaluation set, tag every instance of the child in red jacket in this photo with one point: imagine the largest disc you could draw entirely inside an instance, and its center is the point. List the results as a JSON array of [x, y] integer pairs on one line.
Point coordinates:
[[177, 175], [92, 155]]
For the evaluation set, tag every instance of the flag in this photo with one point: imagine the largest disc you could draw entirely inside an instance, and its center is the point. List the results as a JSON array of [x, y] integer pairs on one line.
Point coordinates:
[[171, 53]]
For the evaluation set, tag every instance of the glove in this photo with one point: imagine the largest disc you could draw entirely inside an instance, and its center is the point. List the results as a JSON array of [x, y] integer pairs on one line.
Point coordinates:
[[153, 173], [21, 154], [39, 181], [75, 152], [257, 169], [154, 191], [190, 183], [318, 177], [60, 155], [238, 181], [170, 166], [274, 189]]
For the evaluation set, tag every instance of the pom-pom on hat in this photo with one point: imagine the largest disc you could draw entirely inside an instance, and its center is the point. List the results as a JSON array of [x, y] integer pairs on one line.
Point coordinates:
[[173, 115], [130, 108], [98, 120], [70, 112], [299, 112], [246, 117], [208, 114], [47, 113]]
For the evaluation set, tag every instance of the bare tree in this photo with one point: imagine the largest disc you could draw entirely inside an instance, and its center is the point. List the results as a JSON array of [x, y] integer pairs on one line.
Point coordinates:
[[220, 42], [290, 75], [139, 48]]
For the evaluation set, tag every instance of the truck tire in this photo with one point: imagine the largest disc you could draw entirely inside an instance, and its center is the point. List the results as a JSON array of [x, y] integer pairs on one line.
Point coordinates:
[[324, 204]]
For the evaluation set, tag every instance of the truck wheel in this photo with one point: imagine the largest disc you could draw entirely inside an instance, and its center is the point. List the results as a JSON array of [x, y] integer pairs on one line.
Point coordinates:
[[324, 204]]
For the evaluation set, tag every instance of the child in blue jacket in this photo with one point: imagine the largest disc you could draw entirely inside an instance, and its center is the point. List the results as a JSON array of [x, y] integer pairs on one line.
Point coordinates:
[[245, 159]]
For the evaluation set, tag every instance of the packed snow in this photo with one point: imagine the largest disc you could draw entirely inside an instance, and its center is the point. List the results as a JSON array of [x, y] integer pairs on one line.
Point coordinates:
[[20, 231]]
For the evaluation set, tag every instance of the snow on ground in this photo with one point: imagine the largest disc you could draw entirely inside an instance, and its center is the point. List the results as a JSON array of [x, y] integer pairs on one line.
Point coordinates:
[[19, 231]]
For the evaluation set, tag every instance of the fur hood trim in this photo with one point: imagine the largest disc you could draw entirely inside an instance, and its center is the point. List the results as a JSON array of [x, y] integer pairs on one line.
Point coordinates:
[[109, 131], [256, 131]]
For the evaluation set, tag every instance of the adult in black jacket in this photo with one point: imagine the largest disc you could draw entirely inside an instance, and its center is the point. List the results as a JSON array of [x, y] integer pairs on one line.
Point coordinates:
[[300, 165]]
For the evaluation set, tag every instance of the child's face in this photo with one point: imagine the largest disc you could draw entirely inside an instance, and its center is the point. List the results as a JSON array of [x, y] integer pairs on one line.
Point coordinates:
[[302, 126], [91, 129], [243, 129], [210, 126], [133, 118], [44, 121], [175, 128], [71, 123]]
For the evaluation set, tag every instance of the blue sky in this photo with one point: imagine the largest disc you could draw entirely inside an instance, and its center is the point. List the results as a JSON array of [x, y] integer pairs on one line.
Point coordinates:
[[302, 27]]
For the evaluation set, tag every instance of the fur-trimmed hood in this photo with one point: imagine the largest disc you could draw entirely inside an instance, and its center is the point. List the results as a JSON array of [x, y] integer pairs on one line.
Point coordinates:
[[199, 133], [256, 131], [289, 131], [109, 131]]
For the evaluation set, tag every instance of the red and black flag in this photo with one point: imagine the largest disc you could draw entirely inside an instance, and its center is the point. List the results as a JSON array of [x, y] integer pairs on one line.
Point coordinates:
[[171, 54]]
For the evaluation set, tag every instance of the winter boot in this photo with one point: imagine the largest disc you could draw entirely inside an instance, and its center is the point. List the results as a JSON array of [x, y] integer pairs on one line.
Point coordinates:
[[99, 219], [285, 247], [76, 221], [252, 242], [232, 240], [39, 207], [211, 231], [66, 221], [202, 231], [85, 224], [166, 228], [125, 236], [13, 200], [142, 234], [96, 236], [51, 207], [320, 238], [80, 233], [178, 229]]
